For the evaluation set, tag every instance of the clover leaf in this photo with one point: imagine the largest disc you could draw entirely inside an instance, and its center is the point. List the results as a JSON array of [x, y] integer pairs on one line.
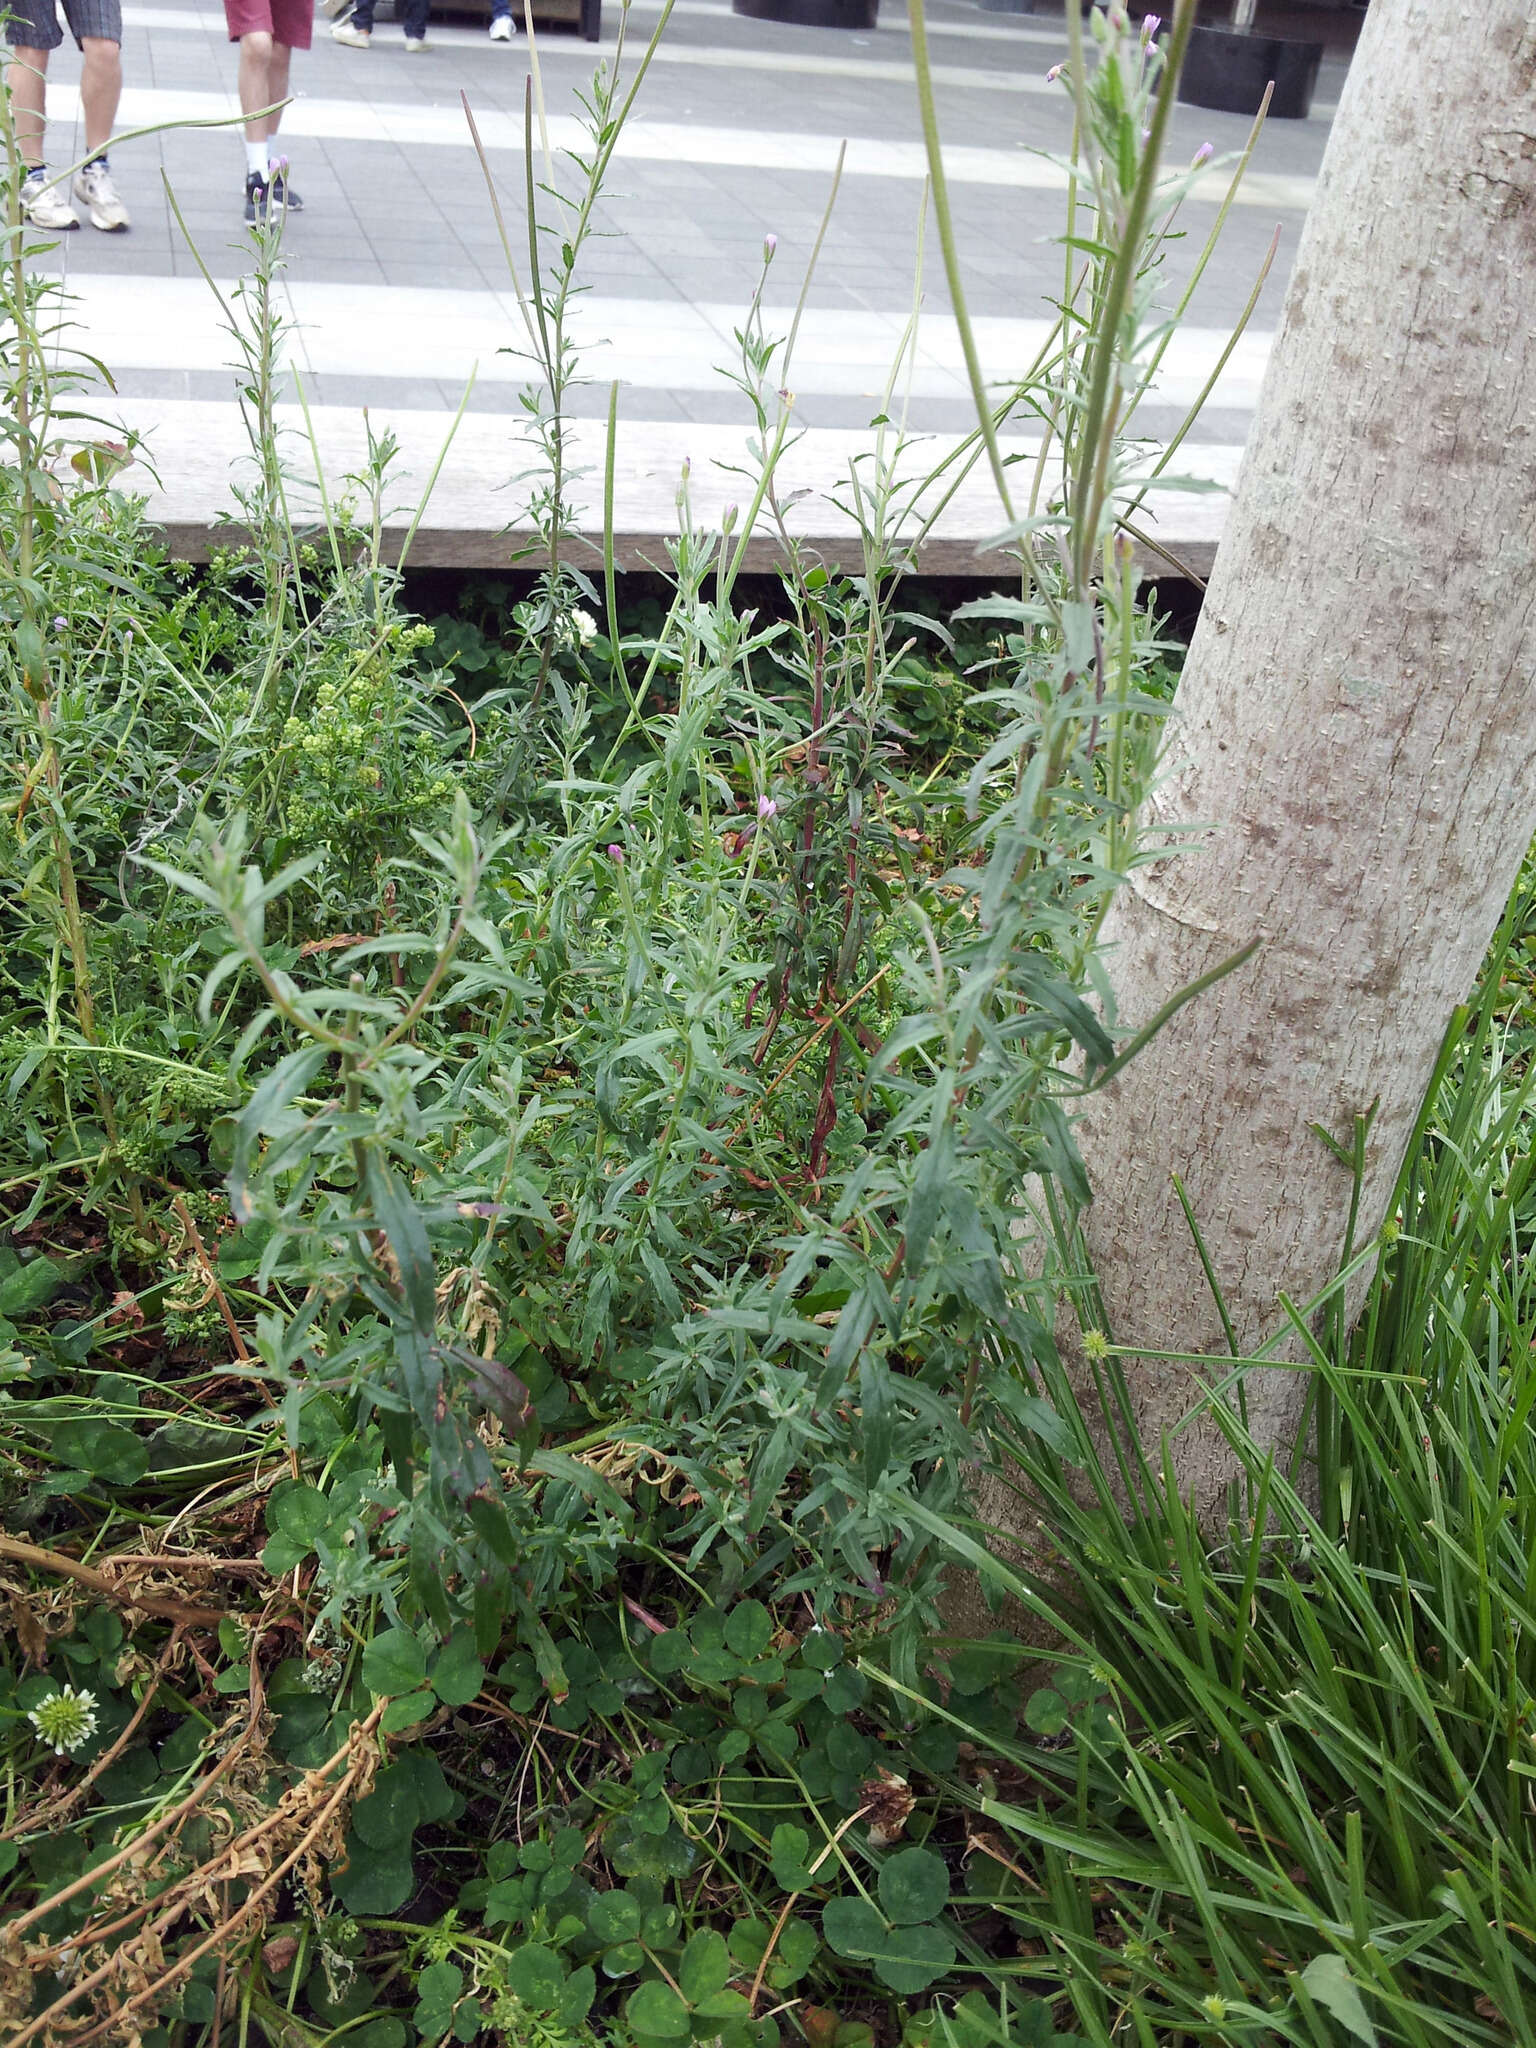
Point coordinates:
[[656, 2013], [913, 1886]]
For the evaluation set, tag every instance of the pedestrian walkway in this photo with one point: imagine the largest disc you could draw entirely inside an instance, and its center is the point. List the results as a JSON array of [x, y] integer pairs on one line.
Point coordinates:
[[399, 294]]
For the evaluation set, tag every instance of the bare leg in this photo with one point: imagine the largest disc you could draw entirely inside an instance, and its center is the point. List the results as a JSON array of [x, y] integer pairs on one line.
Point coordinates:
[[255, 68], [101, 87], [27, 78], [277, 83]]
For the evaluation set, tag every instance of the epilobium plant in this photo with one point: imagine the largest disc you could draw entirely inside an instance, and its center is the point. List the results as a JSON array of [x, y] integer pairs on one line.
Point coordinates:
[[528, 1127]]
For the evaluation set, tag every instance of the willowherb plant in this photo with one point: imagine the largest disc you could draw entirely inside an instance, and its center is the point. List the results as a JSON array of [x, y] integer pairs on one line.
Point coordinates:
[[694, 1086]]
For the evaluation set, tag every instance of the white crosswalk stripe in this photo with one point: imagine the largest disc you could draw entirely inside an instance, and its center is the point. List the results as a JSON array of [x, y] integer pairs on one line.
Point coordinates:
[[648, 141], [175, 324]]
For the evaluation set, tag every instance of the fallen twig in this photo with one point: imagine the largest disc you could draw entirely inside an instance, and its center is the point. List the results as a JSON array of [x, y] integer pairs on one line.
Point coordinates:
[[182, 1612]]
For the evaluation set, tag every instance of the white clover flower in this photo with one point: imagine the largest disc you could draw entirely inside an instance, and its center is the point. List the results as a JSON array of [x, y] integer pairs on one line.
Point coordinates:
[[586, 627], [66, 1720]]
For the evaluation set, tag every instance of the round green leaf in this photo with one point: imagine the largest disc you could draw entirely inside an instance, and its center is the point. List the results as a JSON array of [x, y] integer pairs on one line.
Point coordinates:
[[722, 2005], [795, 1953], [614, 1916], [1047, 1712], [505, 1902], [576, 1997], [914, 1886], [635, 1852], [100, 1448], [407, 1712], [384, 2032], [789, 1847], [822, 1649], [669, 1652], [457, 1673], [975, 1666], [656, 2013], [373, 1882], [438, 1989], [751, 1706], [568, 1846], [705, 1967], [536, 1975], [749, 1628], [394, 1663], [853, 1929], [914, 1958], [623, 1959], [1077, 1688]]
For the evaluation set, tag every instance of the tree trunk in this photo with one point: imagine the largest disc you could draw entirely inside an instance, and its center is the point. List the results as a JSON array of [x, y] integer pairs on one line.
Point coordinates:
[[1355, 722]]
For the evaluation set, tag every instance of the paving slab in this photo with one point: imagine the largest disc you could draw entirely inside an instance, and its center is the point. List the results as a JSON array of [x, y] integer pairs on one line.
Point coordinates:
[[399, 295]]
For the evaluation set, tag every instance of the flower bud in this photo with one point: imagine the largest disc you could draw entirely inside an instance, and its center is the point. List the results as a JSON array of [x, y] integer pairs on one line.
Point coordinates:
[[616, 855], [766, 807], [770, 243], [1203, 155]]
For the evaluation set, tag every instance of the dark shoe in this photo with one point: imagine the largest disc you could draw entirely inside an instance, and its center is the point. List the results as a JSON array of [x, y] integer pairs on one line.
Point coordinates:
[[281, 194], [270, 195]]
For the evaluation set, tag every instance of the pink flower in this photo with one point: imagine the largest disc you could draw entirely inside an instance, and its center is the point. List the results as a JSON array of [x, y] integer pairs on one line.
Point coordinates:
[[1203, 155], [1054, 73], [766, 807], [1149, 29], [770, 243], [616, 855]]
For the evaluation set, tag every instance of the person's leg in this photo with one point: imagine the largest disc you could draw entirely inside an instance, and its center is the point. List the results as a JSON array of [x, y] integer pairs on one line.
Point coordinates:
[[503, 27], [414, 22], [101, 87], [293, 27], [27, 77], [37, 31], [278, 66], [252, 81]]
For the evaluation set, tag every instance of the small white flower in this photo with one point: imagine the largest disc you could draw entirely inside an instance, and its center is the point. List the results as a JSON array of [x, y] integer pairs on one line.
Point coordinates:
[[586, 627], [66, 1720]]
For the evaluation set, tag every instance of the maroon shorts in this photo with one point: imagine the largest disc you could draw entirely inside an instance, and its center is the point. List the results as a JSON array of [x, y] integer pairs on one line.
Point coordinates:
[[285, 21]]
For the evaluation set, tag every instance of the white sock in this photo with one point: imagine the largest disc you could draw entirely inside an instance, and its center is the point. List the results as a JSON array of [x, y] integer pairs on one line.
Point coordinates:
[[256, 159]]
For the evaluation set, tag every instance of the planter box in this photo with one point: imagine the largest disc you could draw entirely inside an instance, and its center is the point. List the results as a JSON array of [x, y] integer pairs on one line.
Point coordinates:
[[860, 14], [1227, 70]]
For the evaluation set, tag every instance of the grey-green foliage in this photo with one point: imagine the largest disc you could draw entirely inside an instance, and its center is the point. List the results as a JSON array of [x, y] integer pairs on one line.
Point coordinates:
[[669, 1093]]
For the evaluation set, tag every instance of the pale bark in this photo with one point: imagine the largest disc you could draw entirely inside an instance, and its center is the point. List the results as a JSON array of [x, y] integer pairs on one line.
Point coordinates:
[[1355, 721]]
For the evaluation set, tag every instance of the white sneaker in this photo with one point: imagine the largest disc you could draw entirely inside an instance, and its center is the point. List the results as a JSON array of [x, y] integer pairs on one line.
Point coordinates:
[[44, 205], [503, 29], [354, 38], [98, 195], [413, 43]]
